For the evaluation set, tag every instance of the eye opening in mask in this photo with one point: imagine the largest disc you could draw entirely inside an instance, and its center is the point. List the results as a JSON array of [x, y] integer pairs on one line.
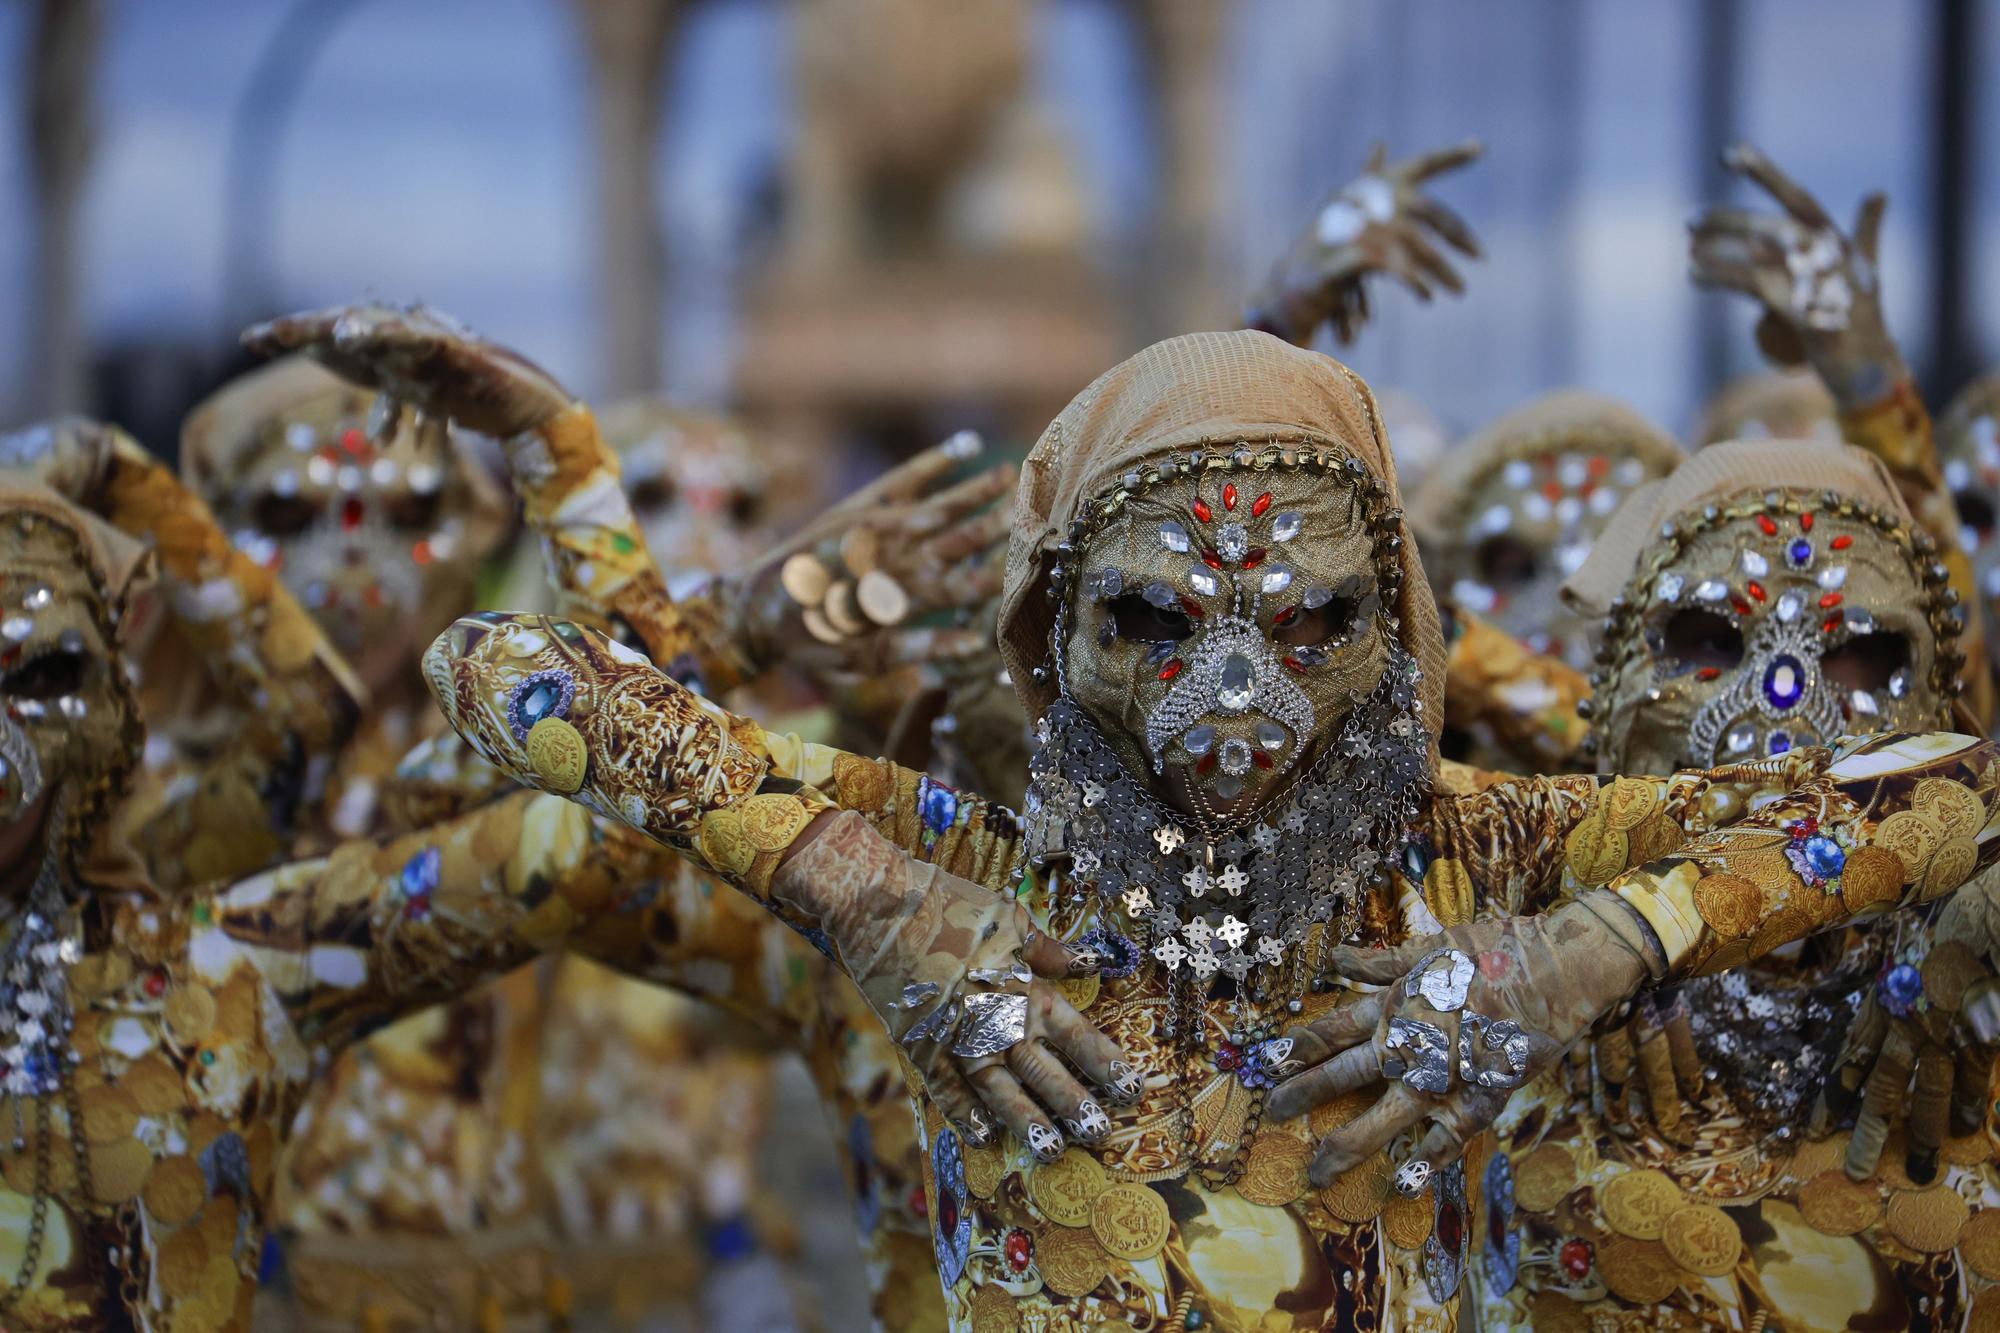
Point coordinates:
[[649, 494], [414, 512], [1135, 618], [1505, 561], [1866, 661], [1974, 510], [745, 507], [282, 515], [1305, 626], [1700, 638], [47, 675]]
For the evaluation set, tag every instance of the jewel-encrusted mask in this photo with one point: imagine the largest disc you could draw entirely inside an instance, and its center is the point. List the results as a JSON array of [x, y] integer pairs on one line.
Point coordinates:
[[1238, 748], [372, 516], [1770, 621], [69, 720], [697, 484], [1969, 444], [1515, 510], [1221, 628]]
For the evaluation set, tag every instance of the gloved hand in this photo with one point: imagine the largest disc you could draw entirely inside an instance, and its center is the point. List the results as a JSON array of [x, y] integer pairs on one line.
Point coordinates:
[[956, 973], [1464, 1018]]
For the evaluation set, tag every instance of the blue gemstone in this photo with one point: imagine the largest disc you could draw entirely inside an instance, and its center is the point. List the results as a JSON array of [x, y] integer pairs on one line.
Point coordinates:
[[540, 700], [1780, 742], [420, 873], [939, 805], [1799, 553], [1902, 986], [1784, 682], [1825, 856]]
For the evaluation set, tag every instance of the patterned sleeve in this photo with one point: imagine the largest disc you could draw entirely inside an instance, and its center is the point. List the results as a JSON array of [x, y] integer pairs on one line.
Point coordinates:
[[1897, 429], [373, 931], [1523, 701], [563, 708], [1883, 822], [572, 497]]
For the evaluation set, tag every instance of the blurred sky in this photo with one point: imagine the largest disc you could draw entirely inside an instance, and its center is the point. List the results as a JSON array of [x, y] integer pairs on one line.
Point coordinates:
[[437, 151]]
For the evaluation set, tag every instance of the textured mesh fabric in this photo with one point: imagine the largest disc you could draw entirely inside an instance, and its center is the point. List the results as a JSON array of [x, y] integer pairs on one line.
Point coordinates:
[[1438, 506], [1200, 390], [1718, 473]]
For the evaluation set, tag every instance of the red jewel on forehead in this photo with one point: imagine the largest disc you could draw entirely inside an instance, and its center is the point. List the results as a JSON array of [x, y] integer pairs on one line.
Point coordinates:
[[1805, 522], [1843, 541], [1768, 524], [1202, 511], [1229, 495], [1262, 503]]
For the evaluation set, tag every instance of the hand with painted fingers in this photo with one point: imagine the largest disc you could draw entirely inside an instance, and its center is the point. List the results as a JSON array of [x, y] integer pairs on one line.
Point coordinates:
[[910, 544], [1463, 1018], [1382, 222], [964, 983], [1818, 285], [1920, 1053], [421, 357]]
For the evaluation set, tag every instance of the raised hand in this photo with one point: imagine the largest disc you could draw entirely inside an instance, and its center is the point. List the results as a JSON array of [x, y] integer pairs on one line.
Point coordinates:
[[1818, 285], [1381, 222], [424, 358], [1464, 1018], [905, 546]]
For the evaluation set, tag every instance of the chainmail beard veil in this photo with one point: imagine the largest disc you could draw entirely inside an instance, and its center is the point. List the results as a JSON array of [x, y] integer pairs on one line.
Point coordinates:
[[1208, 391]]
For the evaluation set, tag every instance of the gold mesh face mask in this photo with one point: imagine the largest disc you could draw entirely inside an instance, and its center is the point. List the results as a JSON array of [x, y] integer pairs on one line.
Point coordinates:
[[377, 526], [1760, 619], [1513, 511], [1226, 624]]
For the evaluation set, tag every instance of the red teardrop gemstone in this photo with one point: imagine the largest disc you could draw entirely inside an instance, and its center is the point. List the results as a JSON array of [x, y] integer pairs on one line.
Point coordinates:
[[1756, 590], [1843, 541], [1263, 503], [350, 513], [1211, 559], [1202, 511], [1831, 599], [1805, 522], [1229, 495], [1255, 557], [1171, 669], [1296, 667], [1286, 616], [1450, 1226], [1708, 673], [1191, 606], [1259, 758], [1205, 764], [1765, 522]]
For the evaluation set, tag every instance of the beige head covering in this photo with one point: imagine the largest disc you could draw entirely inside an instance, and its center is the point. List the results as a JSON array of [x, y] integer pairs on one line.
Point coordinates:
[[118, 564], [1201, 390], [1710, 477], [1781, 404], [1568, 416]]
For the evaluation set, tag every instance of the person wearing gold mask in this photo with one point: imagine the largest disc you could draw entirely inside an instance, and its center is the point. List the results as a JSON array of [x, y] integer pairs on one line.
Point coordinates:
[[1765, 597], [1215, 614]]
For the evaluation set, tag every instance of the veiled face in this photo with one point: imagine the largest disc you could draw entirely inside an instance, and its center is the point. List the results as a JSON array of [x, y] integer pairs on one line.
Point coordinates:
[[1774, 626], [1527, 526], [65, 708], [379, 535], [1220, 631]]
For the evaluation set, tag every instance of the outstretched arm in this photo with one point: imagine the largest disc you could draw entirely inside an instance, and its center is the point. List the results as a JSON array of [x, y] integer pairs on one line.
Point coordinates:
[[948, 965], [1820, 290]]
